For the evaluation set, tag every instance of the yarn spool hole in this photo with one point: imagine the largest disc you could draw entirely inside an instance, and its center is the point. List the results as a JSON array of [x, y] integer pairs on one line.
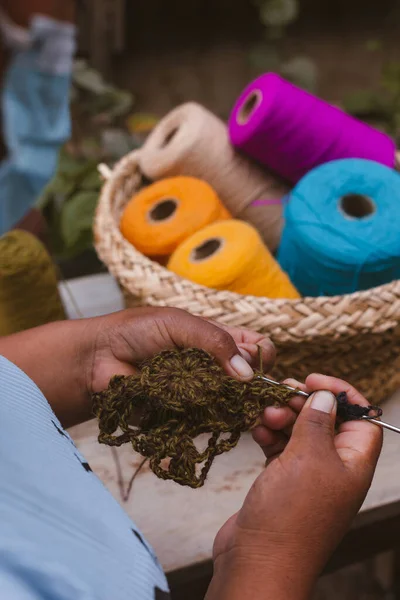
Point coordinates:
[[169, 137], [250, 105], [163, 210], [357, 206], [207, 249]]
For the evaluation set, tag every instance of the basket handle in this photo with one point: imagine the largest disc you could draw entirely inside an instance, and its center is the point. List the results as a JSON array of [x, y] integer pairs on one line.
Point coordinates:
[[104, 171]]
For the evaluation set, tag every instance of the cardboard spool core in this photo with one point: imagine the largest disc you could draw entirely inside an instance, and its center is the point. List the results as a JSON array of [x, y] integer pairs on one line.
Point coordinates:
[[357, 206], [206, 249], [249, 106], [163, 210]]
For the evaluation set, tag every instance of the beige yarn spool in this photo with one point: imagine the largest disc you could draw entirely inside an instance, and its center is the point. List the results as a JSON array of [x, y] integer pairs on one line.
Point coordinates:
[[28, 284], [192, 141]]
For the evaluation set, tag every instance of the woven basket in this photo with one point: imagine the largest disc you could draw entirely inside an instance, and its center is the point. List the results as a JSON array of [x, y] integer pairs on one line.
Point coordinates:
[[356, 337]]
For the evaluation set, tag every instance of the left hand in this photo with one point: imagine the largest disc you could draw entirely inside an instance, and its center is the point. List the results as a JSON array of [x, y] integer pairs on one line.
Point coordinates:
[[70, 360], [125, 339]]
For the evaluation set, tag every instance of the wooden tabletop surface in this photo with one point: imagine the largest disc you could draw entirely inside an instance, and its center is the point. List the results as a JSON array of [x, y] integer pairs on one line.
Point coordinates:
[[180, 522]]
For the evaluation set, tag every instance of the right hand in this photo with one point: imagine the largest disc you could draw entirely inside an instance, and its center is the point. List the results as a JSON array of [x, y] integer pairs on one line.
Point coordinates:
[[301, 506]]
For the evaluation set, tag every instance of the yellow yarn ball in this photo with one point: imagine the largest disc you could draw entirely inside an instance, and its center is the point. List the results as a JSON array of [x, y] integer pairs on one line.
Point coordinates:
[[231, 256]]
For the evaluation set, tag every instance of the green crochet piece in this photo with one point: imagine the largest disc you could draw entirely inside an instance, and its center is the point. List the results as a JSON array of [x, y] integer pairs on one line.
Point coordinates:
[[179, 395]]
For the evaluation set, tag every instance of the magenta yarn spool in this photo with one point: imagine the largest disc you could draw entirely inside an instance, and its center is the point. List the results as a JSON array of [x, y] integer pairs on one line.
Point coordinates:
[[291, 131]]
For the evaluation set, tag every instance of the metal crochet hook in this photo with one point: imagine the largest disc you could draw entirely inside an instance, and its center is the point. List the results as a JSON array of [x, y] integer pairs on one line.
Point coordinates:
[[288, 387], [301, 393], [381, 423]]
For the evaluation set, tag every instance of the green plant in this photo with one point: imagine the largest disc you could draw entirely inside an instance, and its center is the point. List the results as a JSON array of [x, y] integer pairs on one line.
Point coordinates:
[[101, 133], [276, 16], [380, 107], [68, 204]]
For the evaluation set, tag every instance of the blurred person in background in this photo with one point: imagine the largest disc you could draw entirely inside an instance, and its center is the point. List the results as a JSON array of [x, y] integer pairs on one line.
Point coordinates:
[[38, 45]]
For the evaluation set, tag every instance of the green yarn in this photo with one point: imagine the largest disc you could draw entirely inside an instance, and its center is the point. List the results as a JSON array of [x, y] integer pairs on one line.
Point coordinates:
[[178, 395], [28, 284]]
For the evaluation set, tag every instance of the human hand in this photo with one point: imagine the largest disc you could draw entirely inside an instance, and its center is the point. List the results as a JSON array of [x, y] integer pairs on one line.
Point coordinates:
[[71, 360], [300, 507], [125, 339]]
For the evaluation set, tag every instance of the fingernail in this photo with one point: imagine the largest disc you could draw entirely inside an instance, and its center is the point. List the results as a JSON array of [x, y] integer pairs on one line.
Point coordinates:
[[246, 355], [323, 401], [241, 367]]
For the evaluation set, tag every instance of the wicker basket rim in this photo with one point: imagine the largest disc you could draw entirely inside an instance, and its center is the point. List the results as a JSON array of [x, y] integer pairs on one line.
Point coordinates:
[[112, 178]]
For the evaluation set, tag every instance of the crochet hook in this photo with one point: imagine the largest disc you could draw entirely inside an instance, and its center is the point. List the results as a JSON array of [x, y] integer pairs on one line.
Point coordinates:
[[381, 423], [301, 393], [288, 387]]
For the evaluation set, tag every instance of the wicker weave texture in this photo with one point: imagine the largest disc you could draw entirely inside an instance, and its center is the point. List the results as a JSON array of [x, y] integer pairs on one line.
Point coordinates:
[[356, 336]]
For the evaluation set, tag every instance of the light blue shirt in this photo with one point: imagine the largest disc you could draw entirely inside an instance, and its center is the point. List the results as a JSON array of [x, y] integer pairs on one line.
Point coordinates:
[[62, 535]]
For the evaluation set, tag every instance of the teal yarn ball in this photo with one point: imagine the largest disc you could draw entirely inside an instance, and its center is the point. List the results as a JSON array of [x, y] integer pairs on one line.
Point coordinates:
[[342, 228]]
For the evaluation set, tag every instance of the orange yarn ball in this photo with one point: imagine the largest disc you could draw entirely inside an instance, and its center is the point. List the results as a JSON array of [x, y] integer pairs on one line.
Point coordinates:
[[164, 214]]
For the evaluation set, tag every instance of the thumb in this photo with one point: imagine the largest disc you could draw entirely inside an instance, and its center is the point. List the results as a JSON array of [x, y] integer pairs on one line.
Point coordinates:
[[314, 429]]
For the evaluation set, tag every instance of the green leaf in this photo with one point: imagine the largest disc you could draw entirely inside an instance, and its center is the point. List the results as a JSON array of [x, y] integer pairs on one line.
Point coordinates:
[[360, 102], [391, 77], [68, 165], [264, 57], [45, 199], [373, 45], [98, 96], [63, 186], [396, 124], [121, 102], [91, 181], [278, 13], [56, 192], [87, 78], [90, 148], [77, 221], [301, 71]]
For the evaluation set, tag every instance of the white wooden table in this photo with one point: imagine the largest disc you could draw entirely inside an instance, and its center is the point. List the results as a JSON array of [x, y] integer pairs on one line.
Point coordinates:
[[180, 522]]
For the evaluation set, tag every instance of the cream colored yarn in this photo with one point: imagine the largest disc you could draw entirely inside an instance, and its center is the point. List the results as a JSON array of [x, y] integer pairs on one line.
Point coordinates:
[[192, 141]]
